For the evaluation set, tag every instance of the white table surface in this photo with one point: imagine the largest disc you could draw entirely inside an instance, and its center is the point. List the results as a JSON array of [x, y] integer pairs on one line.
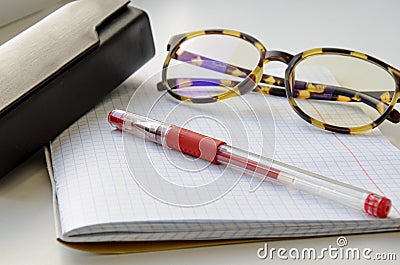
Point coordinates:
[[27, 232]]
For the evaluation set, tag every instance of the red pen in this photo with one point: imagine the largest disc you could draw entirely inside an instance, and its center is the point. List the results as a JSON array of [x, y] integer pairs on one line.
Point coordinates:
[[218, 152]]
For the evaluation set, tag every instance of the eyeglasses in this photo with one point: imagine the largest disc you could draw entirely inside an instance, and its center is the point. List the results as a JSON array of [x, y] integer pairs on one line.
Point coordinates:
[[334, 89]]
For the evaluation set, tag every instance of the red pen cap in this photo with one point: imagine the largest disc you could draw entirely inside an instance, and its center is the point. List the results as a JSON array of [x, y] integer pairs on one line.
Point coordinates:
[[377, 206], [116, 118]]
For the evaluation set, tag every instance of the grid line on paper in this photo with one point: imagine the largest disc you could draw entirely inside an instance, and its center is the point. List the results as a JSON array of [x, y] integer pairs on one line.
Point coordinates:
[[62, 165], [75, 164], [108, 169], [118, 158], [93, 172]]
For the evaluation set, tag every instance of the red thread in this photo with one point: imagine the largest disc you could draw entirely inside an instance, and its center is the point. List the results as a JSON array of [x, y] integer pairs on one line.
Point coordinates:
[[354, 156]]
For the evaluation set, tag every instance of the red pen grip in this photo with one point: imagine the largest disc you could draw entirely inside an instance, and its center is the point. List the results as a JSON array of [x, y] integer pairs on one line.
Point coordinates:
[[194, 144]]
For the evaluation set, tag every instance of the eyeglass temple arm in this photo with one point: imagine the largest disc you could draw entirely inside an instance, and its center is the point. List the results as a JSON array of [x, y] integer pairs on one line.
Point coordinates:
[[334, 93], [374, 99], [330, 93], [174, 40]]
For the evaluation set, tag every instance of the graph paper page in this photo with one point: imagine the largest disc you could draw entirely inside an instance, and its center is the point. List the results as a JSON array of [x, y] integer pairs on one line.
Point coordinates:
[[94, 184]]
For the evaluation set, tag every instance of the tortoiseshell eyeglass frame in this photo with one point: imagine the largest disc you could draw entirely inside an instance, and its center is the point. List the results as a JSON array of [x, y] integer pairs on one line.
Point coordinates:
[[383, 102]]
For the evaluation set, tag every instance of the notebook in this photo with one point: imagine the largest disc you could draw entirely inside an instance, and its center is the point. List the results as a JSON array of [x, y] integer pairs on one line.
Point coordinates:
[[101, 193]]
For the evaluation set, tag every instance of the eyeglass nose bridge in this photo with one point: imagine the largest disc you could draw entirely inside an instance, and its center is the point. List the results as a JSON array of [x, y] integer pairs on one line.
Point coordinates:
[[279, 56]]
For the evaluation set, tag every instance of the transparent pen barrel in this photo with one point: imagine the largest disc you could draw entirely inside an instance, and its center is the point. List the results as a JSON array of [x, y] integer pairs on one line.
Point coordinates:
[[292, 177], [146, 128]]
